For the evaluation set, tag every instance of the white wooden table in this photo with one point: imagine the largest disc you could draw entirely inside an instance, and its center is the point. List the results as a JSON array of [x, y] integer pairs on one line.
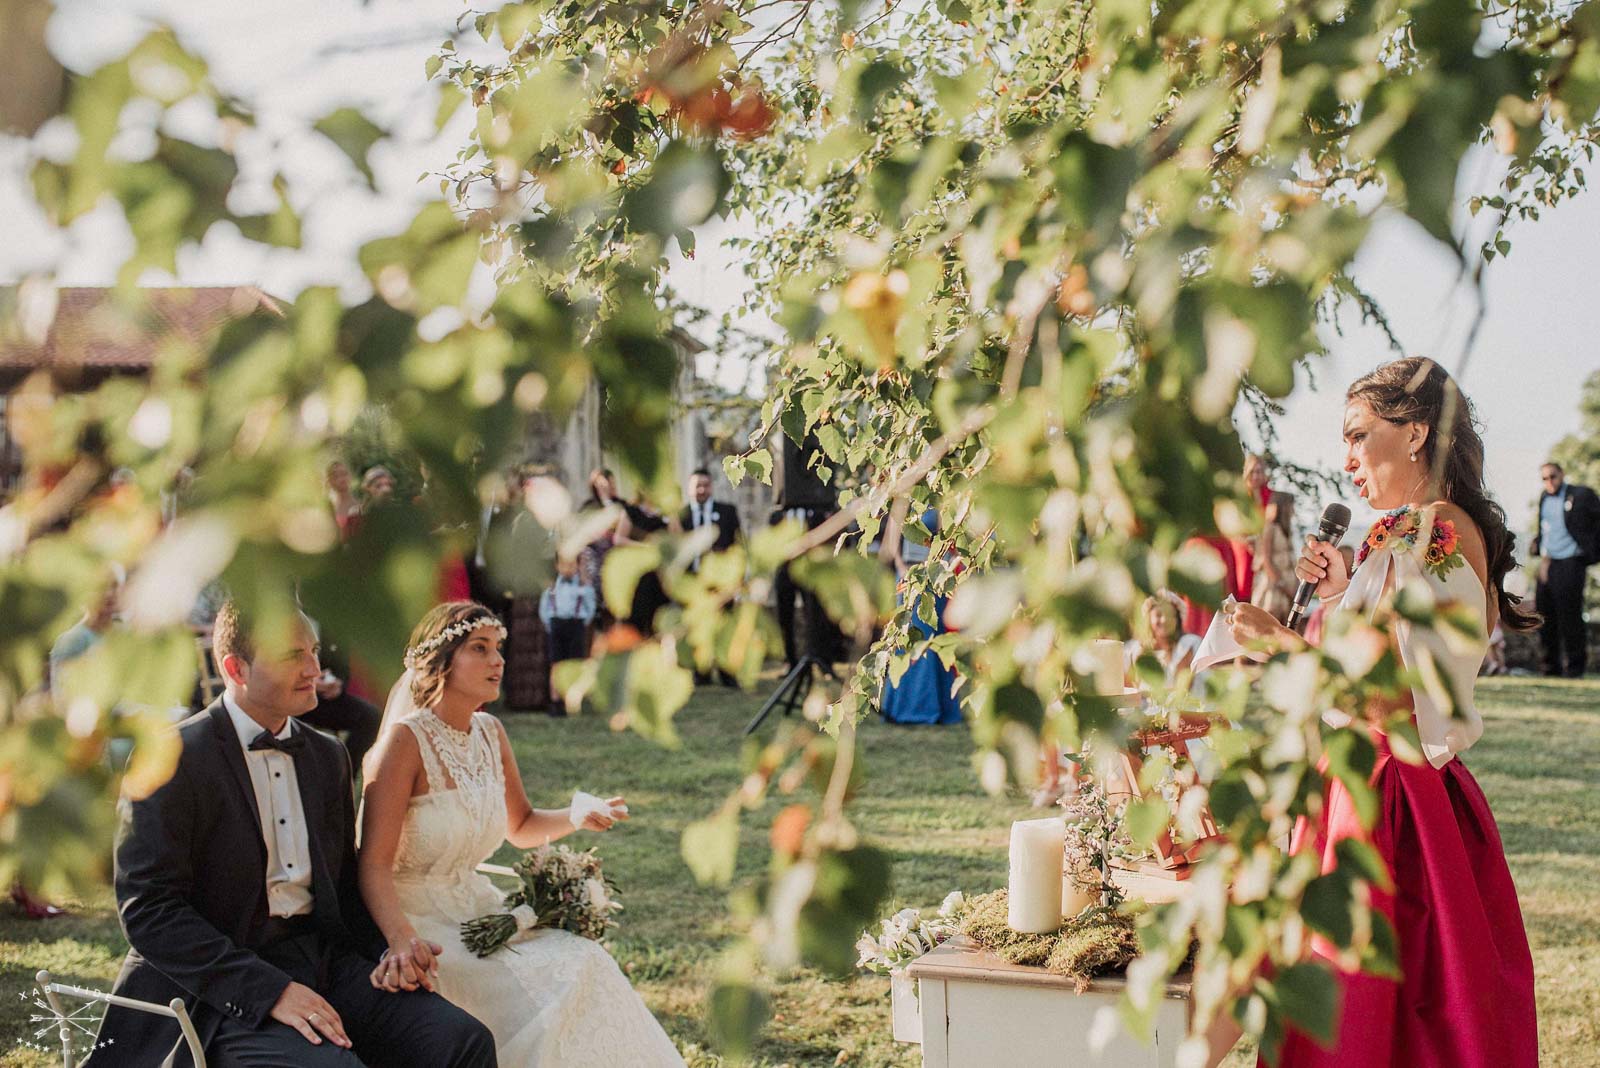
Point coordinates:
[[979, 1011]]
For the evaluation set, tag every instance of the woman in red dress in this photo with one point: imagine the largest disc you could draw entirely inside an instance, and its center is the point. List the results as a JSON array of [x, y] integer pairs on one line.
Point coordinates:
[[1465, 998]]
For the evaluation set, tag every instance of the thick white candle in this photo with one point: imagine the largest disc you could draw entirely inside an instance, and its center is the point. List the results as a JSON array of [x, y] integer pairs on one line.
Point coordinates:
[[1106, 655], [1035, 891]]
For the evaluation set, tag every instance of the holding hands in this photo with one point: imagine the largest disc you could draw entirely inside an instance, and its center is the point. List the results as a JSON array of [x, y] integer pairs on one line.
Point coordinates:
[[408, 965]]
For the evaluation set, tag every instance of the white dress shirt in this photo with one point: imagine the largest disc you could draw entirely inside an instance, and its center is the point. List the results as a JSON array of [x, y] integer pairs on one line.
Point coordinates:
[[283, 818]]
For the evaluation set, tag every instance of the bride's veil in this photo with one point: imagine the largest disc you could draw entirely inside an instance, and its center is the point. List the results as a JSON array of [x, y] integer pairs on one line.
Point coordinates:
[[400, 703]]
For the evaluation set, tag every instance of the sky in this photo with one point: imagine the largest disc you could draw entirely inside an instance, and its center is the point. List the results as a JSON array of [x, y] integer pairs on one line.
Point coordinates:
[[295, 60]]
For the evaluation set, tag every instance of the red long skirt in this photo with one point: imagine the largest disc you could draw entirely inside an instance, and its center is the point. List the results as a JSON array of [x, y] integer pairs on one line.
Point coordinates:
[[1466, 996]]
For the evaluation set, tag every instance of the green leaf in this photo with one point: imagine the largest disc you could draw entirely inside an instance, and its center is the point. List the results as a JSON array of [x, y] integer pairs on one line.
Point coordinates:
[[625, 565], [737, 1011], [1382, 955], [658, 687], [1146, 820], [711, 846], [354, 134], [848, 891], [1328, 904], [1309, 996], [685, 188], [1364, 860]]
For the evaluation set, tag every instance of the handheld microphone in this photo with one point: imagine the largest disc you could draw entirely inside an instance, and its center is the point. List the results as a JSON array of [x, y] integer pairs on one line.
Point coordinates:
[[1335, 521]]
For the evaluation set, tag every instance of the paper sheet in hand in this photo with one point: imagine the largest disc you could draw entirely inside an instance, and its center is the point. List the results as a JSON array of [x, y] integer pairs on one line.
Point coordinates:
[[584, 804], [1218, 644]]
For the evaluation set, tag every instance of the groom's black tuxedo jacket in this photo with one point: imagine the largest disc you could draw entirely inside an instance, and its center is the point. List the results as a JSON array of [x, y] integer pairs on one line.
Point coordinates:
[[192, 894]]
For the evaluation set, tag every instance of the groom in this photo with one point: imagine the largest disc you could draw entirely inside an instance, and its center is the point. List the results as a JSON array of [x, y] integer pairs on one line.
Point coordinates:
[[236, 885]]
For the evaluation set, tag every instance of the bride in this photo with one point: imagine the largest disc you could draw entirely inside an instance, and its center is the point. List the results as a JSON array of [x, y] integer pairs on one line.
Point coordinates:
[[442, 792]]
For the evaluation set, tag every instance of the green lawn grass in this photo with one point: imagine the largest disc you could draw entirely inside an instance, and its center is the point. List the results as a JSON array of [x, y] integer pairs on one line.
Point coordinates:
[[1539, 763]]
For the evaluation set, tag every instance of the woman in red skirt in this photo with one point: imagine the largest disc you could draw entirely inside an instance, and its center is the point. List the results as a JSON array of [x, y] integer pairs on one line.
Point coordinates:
[[1465, 996]]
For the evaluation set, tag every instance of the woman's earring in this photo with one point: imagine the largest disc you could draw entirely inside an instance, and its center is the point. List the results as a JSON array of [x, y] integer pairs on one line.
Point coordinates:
[[1413, 457]]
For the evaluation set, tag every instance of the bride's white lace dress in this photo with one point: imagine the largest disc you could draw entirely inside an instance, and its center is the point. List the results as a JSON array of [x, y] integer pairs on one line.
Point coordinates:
[[552, 999]]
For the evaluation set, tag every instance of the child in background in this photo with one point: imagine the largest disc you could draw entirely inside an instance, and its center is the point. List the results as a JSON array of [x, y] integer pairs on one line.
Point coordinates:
[[566, 609]]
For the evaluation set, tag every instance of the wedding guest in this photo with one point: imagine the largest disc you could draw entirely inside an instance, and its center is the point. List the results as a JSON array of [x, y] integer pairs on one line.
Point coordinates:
[[703, 511], [1237, 554], [340, 710], [492, 572], [1463, 993], [1273, 560], [1567, 544], [523, 560], [74, 642], [926, 692], [801, 622], [377, 486], [592, 559], [1159, 633], [236, 887], [1244, 549], [639, 521], [89, 631], [566, 609], [341, 498]]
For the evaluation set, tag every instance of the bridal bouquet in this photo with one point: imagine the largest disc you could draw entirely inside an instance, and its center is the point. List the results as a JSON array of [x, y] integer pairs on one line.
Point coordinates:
[[558, 888]]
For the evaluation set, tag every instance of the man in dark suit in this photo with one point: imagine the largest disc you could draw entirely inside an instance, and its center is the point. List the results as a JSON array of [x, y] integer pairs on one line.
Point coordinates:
[[702, 511], [1568, 542], [236, 887]]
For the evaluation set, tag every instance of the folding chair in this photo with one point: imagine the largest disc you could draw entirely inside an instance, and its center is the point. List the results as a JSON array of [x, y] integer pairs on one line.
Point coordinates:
[[65, 1025]]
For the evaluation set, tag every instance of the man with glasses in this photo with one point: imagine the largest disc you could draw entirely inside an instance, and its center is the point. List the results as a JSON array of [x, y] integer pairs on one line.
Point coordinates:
[[1567, 543]]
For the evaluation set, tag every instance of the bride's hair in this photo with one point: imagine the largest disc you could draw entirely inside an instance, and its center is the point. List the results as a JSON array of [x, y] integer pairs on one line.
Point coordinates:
[[429, 658], [1417, 390]]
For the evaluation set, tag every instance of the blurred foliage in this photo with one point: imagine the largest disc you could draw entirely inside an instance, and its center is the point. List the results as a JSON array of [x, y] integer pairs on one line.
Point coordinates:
[[1026, 257]]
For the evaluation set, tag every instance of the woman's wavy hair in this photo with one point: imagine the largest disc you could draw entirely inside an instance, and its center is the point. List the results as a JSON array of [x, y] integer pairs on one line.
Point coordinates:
[[430, 669], [1418, 390]]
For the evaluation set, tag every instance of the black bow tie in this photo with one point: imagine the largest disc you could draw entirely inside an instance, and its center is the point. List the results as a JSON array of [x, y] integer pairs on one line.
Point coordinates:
[[267, 740]]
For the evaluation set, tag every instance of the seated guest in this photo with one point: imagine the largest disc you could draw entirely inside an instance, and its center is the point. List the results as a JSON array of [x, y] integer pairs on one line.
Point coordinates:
[[1160, 634], [236, 887], [340, 710]]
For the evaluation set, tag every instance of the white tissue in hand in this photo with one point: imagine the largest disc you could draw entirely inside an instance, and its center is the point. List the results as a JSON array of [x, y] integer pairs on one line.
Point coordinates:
[[584, 805]]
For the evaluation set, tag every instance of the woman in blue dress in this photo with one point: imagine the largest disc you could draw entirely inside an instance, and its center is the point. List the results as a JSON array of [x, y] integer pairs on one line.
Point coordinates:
[[925, 692]]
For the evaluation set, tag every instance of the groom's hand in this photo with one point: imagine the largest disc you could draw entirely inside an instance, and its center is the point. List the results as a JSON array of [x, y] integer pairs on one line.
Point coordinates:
[[413, 964], [308, 1012]]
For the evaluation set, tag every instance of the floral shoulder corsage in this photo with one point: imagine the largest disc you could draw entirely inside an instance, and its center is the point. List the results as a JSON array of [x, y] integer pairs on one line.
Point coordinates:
[[1398, 531]]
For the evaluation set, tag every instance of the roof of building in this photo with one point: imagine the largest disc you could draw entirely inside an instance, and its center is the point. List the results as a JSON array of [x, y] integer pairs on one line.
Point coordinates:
[[96, 328]]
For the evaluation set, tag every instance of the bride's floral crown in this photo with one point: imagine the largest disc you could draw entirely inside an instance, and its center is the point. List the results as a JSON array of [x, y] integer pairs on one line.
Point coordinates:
[[415, 654]]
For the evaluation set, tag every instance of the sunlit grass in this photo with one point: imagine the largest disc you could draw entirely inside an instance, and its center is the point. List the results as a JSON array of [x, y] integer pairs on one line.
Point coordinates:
[[1539, 763]]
